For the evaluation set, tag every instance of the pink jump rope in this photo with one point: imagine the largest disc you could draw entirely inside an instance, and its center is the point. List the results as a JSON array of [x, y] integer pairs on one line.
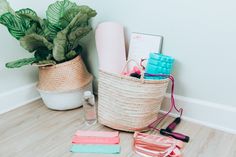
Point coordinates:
[[136, 72], [169, 130]]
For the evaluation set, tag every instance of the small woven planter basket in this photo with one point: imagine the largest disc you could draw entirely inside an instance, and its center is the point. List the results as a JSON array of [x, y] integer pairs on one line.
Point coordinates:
[[66, 76], [127, 103]]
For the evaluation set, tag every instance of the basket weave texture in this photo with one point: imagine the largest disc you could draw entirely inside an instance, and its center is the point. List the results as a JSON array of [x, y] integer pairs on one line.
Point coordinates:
[[127, 103], [66, 76]]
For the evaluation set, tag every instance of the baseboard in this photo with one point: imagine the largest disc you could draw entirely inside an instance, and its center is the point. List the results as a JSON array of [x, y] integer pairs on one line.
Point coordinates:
[[18, 97], [217, 116]]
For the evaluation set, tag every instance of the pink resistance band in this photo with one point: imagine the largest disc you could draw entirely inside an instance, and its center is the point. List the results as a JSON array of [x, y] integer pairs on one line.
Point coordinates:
[[95, 140], [96, 137], [86, 133], [156, 146]]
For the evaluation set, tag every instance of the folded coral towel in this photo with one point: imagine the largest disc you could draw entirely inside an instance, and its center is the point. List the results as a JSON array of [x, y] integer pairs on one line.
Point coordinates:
[[96, 137], [156, 146]]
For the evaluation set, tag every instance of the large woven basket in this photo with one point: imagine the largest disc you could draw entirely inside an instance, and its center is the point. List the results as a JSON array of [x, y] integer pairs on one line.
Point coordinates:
[[66, 76], [127, 103]]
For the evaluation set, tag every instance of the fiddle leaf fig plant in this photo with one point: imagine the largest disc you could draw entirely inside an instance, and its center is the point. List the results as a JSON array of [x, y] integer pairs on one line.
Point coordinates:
[[52, 40]]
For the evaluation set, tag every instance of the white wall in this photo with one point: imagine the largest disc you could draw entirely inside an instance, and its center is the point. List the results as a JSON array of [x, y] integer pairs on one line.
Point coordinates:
[[200, 35], [10, 79], [17, 86]]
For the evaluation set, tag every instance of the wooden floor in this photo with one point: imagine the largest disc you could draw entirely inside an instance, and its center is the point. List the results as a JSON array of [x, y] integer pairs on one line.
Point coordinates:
[[35, 131]]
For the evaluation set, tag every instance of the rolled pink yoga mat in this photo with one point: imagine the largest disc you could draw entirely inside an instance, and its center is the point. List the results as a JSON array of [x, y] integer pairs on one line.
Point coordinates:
[[110, 45]]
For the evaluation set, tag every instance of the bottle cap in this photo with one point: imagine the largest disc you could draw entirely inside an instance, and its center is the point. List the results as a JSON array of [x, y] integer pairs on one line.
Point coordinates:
[[87, 94]]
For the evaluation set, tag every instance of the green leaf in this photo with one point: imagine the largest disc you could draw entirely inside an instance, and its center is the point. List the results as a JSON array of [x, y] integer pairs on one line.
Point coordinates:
[[63, 43], [89, 11], [34, 42], [56, 10], [37, 24], [78, 49], [5, 7], [79, 19], [32, 29], [43, 54], [53, 30], [27, 12], [71, 13], [68, 16], [75, 36], [44, 63], [21, 62], [49, 31], [60, 42], [29, 15], [15, 24], [70, 55], [60, 45]]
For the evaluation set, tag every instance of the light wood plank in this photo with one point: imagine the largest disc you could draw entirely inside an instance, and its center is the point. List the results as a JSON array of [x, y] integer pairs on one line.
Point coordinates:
[[34, 130]]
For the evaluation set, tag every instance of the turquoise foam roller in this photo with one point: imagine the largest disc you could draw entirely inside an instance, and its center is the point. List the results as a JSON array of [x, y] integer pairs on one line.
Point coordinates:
[[159, 64]]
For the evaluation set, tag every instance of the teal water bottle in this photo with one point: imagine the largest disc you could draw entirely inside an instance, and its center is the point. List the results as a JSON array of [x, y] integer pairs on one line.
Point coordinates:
[[159, 64]]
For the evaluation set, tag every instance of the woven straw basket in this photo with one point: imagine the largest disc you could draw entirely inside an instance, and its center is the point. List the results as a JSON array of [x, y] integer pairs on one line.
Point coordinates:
[[66, 76], [127, 103]]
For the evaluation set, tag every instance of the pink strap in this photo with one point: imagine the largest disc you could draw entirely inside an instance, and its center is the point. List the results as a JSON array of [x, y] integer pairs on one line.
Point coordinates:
[[134, 70], [172, 106], [175, 153], [95, 140], [157, 146], [179, 144]]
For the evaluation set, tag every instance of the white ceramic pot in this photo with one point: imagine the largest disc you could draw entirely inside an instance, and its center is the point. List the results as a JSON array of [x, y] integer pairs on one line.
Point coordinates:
[[64, 100]]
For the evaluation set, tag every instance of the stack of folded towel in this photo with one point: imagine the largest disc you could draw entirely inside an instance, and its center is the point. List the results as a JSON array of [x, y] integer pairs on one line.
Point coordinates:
[[96, 142]]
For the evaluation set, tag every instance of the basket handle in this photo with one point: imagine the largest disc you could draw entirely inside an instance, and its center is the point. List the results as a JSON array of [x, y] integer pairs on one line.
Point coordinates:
[[140, 67]]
